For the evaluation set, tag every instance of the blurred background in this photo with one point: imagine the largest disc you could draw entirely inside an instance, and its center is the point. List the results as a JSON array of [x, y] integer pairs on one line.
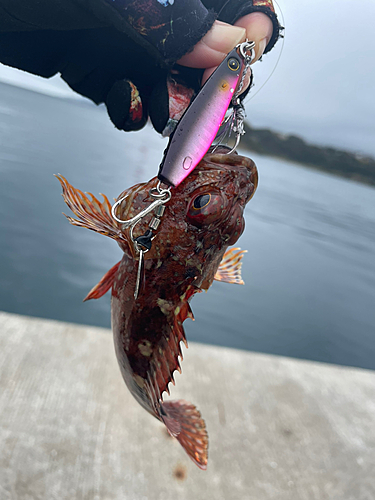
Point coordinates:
[[310, 235]]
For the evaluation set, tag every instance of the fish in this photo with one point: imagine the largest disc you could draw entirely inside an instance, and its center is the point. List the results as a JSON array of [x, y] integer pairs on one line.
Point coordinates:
[[203, 218]]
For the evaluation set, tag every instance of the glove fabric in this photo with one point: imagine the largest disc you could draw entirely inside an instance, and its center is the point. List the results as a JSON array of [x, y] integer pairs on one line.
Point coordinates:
[[120, 52]]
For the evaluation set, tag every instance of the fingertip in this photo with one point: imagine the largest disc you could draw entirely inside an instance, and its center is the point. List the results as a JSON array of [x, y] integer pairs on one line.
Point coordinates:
[[214, 46], [259, 28], [257, 24]]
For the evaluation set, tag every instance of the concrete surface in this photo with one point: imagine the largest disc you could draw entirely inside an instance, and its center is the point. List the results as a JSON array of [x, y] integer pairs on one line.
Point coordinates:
[[279, 428]]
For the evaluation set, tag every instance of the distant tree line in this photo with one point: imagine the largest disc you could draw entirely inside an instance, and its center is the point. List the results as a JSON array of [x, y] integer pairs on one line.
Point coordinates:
[[290, 147]]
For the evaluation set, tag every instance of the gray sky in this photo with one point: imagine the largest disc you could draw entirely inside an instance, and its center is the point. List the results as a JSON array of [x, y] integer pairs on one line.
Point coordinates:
[[323, 86]]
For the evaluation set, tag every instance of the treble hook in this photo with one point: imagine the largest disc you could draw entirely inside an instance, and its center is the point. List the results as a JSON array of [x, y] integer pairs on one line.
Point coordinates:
[[142, 244], [159, 201]]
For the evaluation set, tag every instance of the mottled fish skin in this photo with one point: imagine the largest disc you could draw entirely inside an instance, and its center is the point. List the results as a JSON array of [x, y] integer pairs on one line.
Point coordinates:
[[185, 255]]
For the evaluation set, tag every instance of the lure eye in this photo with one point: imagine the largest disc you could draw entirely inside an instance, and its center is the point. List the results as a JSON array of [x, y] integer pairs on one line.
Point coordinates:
[[233, 64], [201, 201], [206, 208]]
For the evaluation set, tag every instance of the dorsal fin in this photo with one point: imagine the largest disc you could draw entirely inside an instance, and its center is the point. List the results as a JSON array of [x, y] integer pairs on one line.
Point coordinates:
[[229, 269], [165, 359], [182, 419], [92, 213]]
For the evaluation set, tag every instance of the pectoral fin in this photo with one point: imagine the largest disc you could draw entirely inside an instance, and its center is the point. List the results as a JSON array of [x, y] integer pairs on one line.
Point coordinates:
[[104, 284], [229, 269], [92, 214]]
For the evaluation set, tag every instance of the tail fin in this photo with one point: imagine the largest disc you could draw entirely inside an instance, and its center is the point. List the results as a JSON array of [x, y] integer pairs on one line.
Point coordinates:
[[184, 422]]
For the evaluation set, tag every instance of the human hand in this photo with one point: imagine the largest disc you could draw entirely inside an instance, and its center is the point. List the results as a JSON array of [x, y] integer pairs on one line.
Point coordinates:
[[171, 94], [209, 52]]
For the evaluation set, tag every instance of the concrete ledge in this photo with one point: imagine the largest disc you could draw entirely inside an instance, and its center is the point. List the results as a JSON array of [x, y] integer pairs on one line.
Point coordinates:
[[279, 428]]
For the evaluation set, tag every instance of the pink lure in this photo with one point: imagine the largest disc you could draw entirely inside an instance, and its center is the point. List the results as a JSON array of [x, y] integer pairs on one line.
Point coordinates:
[[199, 125]]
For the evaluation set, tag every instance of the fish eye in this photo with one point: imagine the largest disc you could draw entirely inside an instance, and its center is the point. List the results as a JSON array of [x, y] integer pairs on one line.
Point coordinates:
[[233, 64], [206, 208], [201, 201]]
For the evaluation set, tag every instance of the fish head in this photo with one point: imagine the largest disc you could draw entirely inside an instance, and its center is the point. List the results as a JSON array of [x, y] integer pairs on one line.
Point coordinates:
[[204, 216]]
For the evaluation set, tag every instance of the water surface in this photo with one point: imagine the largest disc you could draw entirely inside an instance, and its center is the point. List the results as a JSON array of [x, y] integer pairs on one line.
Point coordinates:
[[309, 272]]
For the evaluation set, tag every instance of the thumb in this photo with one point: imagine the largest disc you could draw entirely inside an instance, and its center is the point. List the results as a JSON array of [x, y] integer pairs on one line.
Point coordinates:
[[214, 46]]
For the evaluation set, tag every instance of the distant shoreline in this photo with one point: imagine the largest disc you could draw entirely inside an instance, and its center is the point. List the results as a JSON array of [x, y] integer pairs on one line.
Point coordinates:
[[267, 142], [345, 164]]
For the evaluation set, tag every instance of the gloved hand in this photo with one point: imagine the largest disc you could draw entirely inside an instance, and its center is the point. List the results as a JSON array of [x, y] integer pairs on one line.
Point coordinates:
[[208, 53], [173, 92], [122, 52]]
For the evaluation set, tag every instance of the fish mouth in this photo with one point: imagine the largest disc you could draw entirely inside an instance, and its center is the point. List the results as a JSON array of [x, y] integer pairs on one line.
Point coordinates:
[[246, 166]]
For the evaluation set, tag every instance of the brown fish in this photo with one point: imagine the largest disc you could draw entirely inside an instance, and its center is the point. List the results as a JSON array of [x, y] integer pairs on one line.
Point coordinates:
[[203, 218]]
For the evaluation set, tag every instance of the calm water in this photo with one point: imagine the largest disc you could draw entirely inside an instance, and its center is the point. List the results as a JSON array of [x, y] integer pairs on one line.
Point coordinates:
[[310, 270]]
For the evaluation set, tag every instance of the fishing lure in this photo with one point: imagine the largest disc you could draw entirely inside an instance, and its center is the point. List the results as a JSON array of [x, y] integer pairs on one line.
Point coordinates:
[[198, 127]]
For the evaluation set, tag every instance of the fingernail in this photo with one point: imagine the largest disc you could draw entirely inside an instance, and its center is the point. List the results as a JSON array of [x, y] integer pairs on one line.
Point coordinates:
[[223, 37], [260, 48]]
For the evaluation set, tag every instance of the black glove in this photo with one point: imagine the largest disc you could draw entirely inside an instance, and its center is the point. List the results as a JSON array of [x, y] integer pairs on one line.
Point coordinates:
[[119, 52]]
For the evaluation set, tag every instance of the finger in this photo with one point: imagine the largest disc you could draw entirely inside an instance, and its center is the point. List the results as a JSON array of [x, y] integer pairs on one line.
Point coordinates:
[[125, 107], [259, 29], [214, 46]]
